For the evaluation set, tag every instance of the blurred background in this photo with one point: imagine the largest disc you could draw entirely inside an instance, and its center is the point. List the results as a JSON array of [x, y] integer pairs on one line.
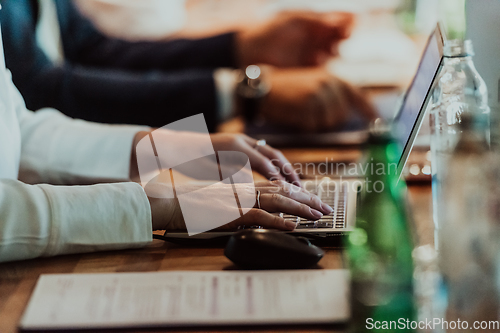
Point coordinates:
[[380, 57], [383, 50]]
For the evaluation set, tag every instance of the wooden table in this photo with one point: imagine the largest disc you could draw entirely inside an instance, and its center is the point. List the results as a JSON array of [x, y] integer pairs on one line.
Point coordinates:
[[17, 279]]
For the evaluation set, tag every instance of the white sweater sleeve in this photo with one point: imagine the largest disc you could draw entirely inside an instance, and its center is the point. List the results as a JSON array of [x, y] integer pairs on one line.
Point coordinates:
[[61, 150], [45, 220]]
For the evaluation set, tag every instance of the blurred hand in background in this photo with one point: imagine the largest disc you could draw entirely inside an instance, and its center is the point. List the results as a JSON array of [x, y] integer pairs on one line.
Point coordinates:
[[312, 99], [303, 93], [293, 39], [294, 43]]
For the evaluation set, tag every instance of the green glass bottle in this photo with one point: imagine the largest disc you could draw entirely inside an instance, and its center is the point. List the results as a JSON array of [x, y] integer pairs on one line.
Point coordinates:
[[380, 247]]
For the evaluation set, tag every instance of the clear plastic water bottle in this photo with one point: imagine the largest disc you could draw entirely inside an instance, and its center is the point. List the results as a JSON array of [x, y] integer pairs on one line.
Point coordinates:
[[459, 90], [468, 237]]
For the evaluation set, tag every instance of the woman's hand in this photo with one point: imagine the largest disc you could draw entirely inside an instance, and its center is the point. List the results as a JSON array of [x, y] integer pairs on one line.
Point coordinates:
[[264, 159], [275, 196], [281, 197]]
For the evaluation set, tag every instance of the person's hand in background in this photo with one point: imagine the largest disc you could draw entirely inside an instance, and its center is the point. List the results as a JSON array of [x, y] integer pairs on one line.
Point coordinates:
[[294, 39], [311, 99]]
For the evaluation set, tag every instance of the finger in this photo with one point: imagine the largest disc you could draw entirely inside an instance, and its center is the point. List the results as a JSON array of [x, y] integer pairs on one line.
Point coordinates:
[[260, 217], [331, 25], [320, 46], [326, 41], [280, 161], [343, 20], [335, 27], [261, 163], [286, 168], [279, 186], [320, 36], [296, 193], [276, 203]]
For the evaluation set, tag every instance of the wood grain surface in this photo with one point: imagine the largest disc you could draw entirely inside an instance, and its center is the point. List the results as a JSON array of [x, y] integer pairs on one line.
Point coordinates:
[[18, 279]]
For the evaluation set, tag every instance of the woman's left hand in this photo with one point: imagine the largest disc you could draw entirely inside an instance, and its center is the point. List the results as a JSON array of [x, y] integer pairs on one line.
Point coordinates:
[[264, 159]]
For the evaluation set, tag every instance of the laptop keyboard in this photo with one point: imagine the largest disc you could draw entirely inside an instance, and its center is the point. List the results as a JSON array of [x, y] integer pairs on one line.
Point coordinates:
[[335, 198]]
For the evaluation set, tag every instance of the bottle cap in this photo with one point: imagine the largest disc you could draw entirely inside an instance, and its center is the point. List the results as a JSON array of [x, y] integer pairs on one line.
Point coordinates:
[[458, 48]]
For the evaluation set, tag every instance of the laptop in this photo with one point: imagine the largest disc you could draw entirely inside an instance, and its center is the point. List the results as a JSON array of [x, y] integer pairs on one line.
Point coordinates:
[[342, 193]]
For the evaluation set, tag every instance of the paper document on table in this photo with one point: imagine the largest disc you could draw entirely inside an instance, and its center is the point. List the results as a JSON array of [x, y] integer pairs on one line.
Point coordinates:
[[75, 301]]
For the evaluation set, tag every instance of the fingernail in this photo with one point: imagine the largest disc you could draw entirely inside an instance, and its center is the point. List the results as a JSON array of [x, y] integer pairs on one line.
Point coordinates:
[[290, 225], [326, 208], [317, 214]]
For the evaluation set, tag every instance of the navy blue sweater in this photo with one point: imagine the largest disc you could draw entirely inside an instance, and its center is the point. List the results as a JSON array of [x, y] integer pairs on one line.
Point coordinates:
[[110, 80]]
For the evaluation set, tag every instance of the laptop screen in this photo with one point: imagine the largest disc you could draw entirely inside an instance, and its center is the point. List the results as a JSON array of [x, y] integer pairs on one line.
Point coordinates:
[[412, 111]]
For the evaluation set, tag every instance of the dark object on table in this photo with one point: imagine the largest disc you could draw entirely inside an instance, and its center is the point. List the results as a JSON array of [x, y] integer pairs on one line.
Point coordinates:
[[268, 249]]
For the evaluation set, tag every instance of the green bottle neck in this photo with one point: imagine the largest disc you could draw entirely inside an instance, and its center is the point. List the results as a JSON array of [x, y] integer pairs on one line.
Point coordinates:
[[381, 164]]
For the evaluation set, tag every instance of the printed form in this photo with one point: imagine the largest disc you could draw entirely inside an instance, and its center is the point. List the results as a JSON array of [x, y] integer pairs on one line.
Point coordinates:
[[180, 298]]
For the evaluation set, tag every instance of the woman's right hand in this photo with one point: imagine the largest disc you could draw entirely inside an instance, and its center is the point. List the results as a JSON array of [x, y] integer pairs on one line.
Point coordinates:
[[275, 196], [281, 197]]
